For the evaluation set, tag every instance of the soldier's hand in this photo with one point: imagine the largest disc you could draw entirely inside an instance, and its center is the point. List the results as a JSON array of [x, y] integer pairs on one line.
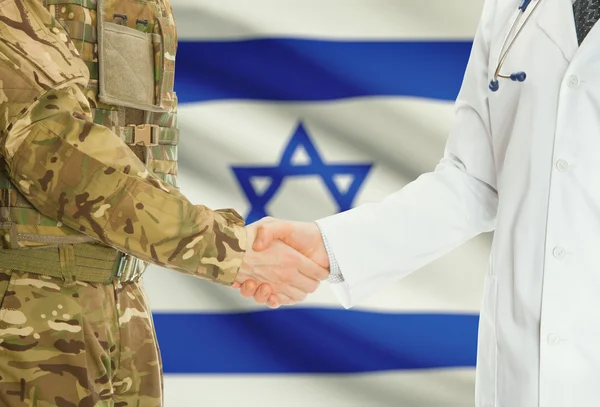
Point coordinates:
[[286, 275], [305, 237]]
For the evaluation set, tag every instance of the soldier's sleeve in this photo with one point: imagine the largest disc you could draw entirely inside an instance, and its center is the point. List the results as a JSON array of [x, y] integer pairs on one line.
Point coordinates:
[[81, 173]]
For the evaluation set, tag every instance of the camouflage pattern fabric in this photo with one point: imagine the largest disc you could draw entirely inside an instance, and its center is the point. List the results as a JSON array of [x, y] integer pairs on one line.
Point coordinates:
[[80, 345], [68, 175], [84, 176]]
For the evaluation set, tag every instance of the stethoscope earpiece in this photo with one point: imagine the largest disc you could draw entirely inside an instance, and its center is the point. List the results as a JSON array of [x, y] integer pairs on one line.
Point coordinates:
[[518, 76]]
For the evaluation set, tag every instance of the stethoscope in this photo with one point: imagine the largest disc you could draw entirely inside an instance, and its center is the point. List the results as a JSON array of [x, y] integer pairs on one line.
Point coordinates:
[[506, 46]]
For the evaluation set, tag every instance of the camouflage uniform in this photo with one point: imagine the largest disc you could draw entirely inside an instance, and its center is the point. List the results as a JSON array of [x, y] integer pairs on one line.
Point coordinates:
[[88, 146]]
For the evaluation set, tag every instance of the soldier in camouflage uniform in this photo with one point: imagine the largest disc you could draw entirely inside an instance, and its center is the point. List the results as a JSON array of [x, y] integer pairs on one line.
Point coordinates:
[[88, 197]]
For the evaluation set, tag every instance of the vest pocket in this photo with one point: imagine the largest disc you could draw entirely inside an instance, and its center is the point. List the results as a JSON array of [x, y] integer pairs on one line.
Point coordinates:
[[126, 64], [136, 63]]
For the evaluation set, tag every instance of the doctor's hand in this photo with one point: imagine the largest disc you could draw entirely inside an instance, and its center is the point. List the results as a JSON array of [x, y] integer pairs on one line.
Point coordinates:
[[304, 237], [287, 275]]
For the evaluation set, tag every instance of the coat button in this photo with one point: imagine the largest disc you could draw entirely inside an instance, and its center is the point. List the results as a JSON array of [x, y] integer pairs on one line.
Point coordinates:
[[573, 81], [559, 253], [562, 165]]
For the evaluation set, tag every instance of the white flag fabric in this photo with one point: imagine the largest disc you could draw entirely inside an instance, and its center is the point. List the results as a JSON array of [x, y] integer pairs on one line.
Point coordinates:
[[299, 109]]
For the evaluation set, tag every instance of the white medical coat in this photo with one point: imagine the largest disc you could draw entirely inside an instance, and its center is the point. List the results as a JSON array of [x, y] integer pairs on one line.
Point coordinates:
[[525, 162]]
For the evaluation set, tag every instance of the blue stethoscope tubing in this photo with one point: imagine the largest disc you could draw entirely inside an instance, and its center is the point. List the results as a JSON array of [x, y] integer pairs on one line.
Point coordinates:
[[506, 45]]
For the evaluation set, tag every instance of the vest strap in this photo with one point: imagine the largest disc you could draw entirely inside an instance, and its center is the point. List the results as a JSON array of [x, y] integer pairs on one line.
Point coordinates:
[[148, 135], [86, 262]]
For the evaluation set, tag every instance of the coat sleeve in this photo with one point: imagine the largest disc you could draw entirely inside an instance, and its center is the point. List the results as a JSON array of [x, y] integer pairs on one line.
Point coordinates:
[[81, 173], [377, 244]]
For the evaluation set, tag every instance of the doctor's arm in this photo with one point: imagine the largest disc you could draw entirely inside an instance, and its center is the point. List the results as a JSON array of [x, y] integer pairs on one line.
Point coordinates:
[[377, 244]]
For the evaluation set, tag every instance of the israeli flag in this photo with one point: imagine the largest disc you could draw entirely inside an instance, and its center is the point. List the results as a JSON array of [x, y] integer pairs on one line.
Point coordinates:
[[299, 109]]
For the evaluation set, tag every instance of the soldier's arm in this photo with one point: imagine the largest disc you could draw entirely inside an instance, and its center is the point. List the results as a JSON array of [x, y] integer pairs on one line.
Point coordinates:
[[81, 173]]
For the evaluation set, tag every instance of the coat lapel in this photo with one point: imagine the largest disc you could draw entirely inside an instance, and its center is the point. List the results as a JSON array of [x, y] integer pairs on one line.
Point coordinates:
[[555, 18]]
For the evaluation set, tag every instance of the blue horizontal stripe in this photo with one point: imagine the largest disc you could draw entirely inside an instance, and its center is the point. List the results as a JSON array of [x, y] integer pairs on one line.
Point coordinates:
[[314, 341], [310, 70]]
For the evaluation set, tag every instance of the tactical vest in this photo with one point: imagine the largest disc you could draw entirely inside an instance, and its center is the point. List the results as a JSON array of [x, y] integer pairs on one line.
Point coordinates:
[[129, 48]]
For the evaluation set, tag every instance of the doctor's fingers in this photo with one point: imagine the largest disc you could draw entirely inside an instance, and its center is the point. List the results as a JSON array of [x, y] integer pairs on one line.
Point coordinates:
[[311, 269], [290, 296], [279, 300], [273, 302], [295, 287], [251, 288], [248, 288], [295, 279], [307, 285], [261, 293], [290, 269]]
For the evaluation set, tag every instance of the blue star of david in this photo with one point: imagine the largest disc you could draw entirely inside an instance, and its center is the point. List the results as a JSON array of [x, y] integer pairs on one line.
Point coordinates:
[[286, 168]]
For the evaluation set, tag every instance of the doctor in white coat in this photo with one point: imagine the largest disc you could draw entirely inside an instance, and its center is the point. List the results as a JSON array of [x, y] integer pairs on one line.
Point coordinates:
[[522, 159]]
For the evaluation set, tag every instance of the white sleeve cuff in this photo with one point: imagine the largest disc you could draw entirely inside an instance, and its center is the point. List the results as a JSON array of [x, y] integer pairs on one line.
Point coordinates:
[[335, 273]]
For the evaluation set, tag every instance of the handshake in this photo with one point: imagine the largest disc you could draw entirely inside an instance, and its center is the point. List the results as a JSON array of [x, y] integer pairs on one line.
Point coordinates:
[[284, 262]]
